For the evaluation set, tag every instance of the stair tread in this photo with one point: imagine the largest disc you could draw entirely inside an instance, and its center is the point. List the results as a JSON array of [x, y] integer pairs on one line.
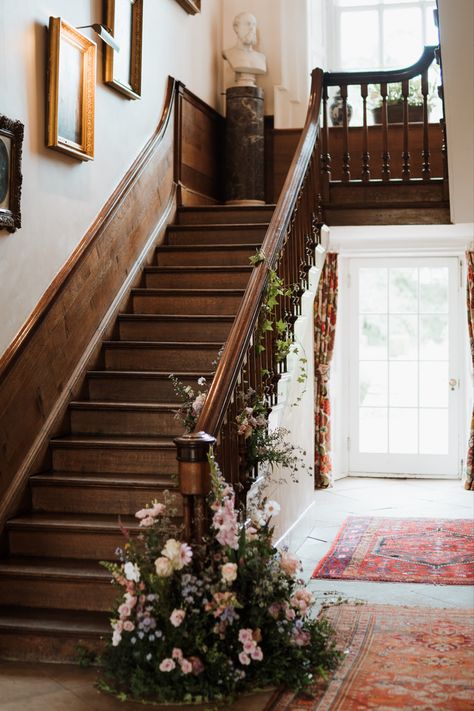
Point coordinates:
[[103, 479], [212, 246], [54, 568], [113, 441], [53, 620], [212, 227], [177, 317], [124, 406], [203, 269], [68, 521], [184, 345], [155, 291], [144, 374]]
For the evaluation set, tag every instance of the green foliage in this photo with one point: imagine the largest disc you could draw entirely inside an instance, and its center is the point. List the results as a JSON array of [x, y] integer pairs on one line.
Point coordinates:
[[85, 657], [192, 401]]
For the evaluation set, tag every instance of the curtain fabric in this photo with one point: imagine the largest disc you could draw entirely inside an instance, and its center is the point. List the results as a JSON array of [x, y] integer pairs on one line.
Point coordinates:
[[469, 483], [325, 310]]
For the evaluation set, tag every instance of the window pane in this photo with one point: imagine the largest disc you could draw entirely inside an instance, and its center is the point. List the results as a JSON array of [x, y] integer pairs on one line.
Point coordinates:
[[373, 383], [403, 384], [373, 429], [434, 290], [373, 290], [434, 428], [403, 430], [434, 384], [434, 338], [359, 41], [403, 290], [373, 338], [403, 337], [356, 3], [431, 31], [402, 36]]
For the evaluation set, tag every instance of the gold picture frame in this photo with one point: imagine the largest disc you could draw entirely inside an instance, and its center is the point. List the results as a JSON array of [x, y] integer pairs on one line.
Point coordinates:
[[11, 142], [123, 69], [191, 6], [71, 90]]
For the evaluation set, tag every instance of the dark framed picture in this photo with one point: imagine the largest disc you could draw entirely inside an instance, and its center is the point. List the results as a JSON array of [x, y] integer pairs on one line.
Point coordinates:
[[123, 68], [11, 142], [71, 90], [191, 6]]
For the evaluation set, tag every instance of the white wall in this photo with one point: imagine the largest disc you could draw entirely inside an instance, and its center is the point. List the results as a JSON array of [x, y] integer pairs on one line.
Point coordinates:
[[457, 51], [61, 196]]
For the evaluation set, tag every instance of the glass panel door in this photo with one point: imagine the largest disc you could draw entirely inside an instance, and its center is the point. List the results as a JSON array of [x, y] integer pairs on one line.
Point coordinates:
[[404, 374]]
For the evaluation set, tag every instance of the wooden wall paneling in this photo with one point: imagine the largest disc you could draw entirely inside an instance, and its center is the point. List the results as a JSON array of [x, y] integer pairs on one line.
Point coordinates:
[[43, 365]]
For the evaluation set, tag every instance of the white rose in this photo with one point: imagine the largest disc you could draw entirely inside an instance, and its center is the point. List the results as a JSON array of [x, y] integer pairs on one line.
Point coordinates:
[[131, 572], [172, 550], [164, 567], [229, 572]]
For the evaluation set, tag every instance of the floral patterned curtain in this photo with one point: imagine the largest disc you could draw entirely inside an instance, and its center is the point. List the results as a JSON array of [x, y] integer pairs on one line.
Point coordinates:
[[469, 483], [325, 308]]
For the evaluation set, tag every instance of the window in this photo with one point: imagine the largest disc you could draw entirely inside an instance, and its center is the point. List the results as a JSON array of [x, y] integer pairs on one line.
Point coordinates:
[[380, 34]]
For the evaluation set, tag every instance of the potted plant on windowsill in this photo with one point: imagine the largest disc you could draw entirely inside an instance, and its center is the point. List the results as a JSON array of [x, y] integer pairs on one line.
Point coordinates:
[[395, 102]]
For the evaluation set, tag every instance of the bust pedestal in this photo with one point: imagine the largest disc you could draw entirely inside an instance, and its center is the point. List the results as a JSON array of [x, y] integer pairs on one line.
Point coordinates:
[[244, 166]]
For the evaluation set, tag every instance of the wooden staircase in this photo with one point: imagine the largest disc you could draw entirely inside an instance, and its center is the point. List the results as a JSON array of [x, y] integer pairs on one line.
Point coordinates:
[[119, 451]]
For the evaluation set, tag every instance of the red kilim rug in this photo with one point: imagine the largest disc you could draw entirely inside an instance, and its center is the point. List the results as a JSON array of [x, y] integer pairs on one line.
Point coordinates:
[[408, 550], [410, 658]]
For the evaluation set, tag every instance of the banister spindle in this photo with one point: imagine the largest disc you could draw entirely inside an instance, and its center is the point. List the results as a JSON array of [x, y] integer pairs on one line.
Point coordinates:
[[425, 168], [325, 155], [365, 136], [385, 151], [346, 157], [406, 152]]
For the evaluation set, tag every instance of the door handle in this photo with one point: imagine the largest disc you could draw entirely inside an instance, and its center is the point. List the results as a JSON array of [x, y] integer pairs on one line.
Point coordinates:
[[452, 383]]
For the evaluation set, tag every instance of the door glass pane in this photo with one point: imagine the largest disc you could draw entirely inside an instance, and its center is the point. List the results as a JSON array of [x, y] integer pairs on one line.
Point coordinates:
[[402, 36], [404, 290], [373, 429], [359, 43], [434, 431], [403, 430], [431, 35], [403, 384], [373, 291], [434, 384], [434, 343], [433, 290], [403, 337], [373, 337], [373, 383]]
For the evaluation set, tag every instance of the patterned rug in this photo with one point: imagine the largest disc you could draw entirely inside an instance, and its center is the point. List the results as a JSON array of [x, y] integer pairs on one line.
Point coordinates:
[[408, 550], [411, 658]]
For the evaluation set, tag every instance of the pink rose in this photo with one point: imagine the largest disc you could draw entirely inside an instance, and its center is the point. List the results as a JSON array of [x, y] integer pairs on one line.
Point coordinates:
[[198, 666], [245, 635], [257, 654], [163, 567], [167, 665], [128, 626], [248, 646], [186, 666], [244, 658], [229, 572], [289, 564], [177, 653], [177, 617]]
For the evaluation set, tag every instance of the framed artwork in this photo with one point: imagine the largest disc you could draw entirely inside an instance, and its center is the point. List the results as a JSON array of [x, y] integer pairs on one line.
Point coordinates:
[[71, 90], [11, 141], [191, 6], [123, 69]]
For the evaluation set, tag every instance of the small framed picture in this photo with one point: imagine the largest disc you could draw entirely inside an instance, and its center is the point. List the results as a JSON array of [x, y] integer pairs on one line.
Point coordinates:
[[71, 90], [191, 6], [123, 68], [11, 141]]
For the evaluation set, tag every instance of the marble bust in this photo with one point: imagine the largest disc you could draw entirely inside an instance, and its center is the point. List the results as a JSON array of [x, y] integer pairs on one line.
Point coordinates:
[[242, 58]]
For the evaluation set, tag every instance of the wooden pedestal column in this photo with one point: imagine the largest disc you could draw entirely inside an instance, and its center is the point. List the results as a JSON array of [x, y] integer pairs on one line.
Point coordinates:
[[194, 481]]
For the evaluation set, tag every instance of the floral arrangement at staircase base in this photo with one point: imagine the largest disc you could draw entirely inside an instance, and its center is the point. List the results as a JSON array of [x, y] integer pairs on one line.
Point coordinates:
[[213, 620]]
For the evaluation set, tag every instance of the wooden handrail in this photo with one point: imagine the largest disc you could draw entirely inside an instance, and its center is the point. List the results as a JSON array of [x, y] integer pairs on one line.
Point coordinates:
[[380, 76], [238, 341]]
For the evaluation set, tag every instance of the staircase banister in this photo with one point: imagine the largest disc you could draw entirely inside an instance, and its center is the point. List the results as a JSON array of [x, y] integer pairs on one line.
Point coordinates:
[[382, 76], [235, 349]]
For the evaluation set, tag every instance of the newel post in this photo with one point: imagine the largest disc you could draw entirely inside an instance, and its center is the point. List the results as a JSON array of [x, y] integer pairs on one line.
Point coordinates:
[[194, 480]]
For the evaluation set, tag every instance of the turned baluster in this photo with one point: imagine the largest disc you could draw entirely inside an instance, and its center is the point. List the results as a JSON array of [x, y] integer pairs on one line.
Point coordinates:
[[425, 169], [346, 157], [365, 137], [385, 151], [325, 156], [406, 152]]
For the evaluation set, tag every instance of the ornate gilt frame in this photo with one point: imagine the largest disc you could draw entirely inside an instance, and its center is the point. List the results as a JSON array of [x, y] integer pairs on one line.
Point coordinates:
[[61, 35], [10, 216], [130, 86], [191, 6]]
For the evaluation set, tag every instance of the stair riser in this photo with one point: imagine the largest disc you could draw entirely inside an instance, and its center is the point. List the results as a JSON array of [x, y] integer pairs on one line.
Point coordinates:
[[217, 305], [220, 236], [171, 331], [32, 647], [87, 499], [120, 461], [224, 216], [61, 594], [54, 543], [393, 194], [134, 390], [215, 257], [197, 280], [170, 359], [146, 424], [387, 216]]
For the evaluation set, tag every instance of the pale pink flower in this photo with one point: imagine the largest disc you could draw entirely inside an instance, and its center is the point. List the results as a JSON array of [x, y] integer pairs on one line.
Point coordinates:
[[250, 534], [130, 600], [290, 614], [185, 555], [244, 658], [177, 653], [177, 617], [257, 654], [274, 610], [248, 646], [128, 626], [229, 572], [117, 625], [116, 638], [289, 564], [167, 665], [147, 522], [245, 635], [301, 638], [186, 666], [172, 549], [143, 513], [199, 403], [163, 567], [301, 600], [124, 611]]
